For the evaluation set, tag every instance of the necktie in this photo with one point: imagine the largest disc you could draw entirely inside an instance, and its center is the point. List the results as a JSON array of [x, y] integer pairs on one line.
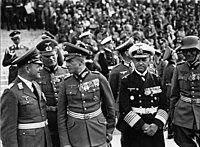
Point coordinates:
[[49, 12], [35, 91]]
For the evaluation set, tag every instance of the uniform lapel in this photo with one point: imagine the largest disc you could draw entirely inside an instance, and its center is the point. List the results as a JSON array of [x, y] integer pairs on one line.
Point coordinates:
[[26, 89]]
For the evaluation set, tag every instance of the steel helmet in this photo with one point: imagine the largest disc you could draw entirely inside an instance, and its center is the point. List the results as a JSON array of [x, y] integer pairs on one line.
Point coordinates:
[[190, 42]]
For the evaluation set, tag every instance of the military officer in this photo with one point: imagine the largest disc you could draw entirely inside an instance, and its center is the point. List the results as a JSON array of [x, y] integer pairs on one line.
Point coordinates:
[[86, 110], [23, 106], [12, 52], [118, 72], [143, 106], [51, 77], [185, 97], [171, 57]]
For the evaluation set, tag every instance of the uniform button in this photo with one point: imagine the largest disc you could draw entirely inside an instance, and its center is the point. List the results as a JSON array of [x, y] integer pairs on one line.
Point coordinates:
[[192, 82], [192, 68], [140, 106], [137, 89], [151, 101], [70, 92], [155, 98], [27, 102], [192, 87], [85, 108], [83, 101], [132, 97], [24, 133], [140, 101], [81, 80], [83, 94], [139, 95], [93, 89], [193, 96], [192, 91]]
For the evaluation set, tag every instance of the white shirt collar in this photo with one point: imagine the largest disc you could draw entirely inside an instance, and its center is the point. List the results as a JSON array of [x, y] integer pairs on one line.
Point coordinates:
[[27, 82], [141, 74]]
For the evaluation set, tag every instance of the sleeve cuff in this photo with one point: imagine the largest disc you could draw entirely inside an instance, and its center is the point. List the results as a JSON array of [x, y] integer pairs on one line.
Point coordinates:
[[132, 118]]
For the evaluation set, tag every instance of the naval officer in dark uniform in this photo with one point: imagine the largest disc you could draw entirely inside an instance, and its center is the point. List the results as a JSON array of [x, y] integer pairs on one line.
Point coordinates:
[[12, 52], [51, 77], [23, 106], [86, 110], [185, 97], [142, 104]]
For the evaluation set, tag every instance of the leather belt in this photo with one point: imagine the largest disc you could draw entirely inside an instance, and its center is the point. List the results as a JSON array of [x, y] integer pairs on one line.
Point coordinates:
[[190, 100], [51, 108], [84, 116], [145, 110], [33, 125]]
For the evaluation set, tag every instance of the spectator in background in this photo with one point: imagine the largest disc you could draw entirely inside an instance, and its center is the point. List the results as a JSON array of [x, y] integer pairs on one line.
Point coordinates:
[[11, 53], [47, 15]]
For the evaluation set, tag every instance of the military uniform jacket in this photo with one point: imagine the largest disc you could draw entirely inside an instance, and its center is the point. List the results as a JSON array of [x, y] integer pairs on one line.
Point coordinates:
[[115, 76], [138, 94], [12, 52], [186, 82], [20, 105], [50, 82], [85, 94]]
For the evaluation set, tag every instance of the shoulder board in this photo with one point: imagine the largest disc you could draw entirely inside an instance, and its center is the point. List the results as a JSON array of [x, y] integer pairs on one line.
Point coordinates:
[[95, 72], [10, 85], [124, 77], [179, 63], [67, 76], [116, 65], [155, 74], [20, 85]]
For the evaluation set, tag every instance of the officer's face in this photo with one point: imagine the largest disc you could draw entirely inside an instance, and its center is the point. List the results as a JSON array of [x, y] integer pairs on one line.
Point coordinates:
[[73, 65], [141, 64], [190, 54], [34, 71], [49, 60], [16, 40]]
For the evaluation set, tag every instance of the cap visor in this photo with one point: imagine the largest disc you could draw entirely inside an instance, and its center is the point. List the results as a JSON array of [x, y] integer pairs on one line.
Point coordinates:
[[48, 53], [141, 56]]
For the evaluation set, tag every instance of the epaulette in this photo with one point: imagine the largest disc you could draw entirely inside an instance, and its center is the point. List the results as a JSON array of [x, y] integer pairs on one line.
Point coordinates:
[[153, 73], [179, 63], [20, 85], [124, 77], [67, 76], [95, 72], [115, 66], [10, 85]]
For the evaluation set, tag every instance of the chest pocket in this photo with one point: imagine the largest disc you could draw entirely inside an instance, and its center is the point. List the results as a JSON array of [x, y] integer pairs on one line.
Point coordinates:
[[27, 105], [71, 90], [183, 81]]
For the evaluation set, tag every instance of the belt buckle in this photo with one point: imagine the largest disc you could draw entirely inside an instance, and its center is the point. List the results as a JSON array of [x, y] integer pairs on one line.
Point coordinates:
[[87, 116], [193, 101], [147, 111]]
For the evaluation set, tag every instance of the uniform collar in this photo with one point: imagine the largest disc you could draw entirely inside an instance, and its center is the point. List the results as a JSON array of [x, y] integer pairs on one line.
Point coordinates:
[[141, 74], [51, 69], [128, 64], [27, 82], [82, 75]]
